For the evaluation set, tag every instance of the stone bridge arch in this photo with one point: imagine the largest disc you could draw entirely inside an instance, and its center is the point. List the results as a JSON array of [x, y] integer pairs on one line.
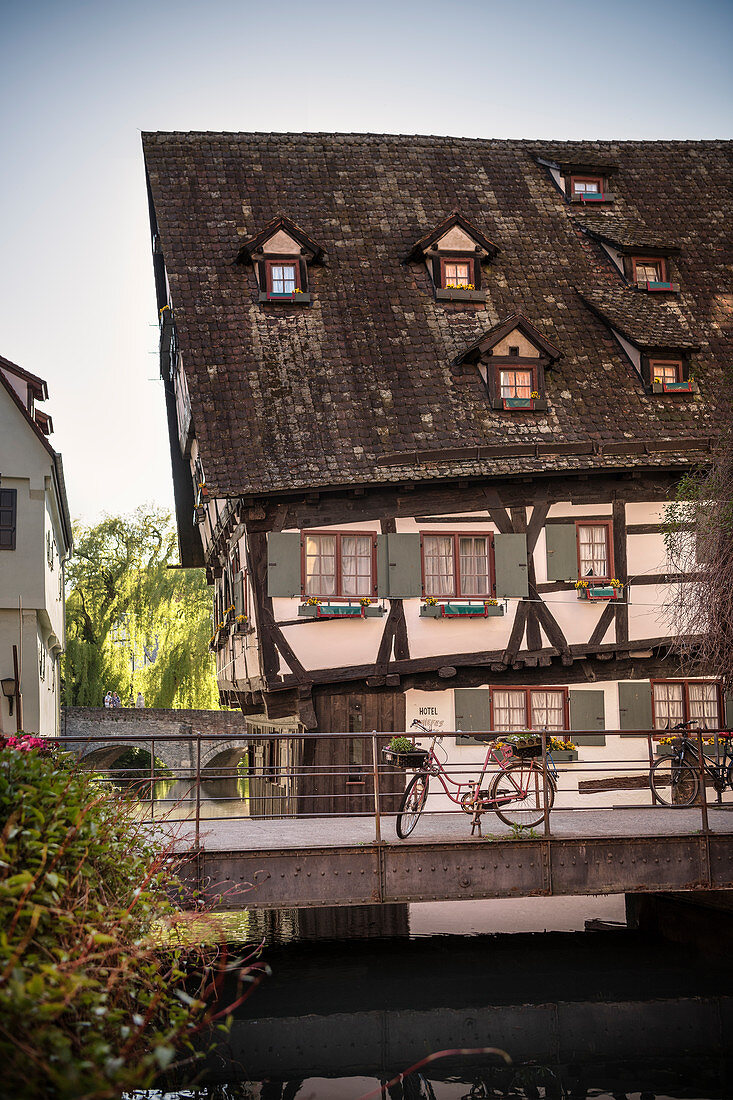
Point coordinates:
[[104, 755]]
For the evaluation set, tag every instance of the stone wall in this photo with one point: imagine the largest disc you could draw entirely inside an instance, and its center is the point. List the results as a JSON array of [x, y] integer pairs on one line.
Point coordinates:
[[88, 729]]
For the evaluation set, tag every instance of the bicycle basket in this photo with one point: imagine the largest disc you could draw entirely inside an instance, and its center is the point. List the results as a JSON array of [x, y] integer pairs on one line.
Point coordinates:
[[416, 758], [523, 746]]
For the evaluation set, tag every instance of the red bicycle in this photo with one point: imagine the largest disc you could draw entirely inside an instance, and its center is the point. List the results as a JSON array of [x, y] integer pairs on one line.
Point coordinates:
[[515, 791]]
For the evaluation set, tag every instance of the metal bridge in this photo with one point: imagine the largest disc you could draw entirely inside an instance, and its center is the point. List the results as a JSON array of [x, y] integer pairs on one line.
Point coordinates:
[[246, 838]]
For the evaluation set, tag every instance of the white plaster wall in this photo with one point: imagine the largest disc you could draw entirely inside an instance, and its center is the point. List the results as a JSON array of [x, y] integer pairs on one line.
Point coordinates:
[[455, 240], [516, 339], [652, 512], [646, 554], [615, 255], [431, 636], [633, 353], [283, 244], [647, 618], [577, 618]]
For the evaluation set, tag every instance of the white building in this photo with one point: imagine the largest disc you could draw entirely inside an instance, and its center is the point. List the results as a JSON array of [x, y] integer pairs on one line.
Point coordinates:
[[35, 543]]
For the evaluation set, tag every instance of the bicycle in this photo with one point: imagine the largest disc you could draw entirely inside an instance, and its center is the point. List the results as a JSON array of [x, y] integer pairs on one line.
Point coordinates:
[[675, 779], [511, 794]]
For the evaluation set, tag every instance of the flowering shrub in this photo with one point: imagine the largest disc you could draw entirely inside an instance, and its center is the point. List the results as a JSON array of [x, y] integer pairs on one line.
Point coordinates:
[[91, 1006], [559, 745]]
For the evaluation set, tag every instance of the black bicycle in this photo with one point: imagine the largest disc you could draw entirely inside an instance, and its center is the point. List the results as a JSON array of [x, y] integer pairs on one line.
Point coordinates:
[[675, 779]]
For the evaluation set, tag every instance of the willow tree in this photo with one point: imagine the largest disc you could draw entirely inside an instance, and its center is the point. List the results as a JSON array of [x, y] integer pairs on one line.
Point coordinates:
[[134, 622]]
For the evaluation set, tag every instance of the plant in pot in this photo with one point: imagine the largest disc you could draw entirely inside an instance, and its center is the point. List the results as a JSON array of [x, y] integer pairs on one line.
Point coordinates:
[[404, 753]]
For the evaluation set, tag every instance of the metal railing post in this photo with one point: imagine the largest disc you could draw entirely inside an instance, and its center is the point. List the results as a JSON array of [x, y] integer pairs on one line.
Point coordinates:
[[703, 796], [198, 789], [152, 779], [375, 769], [546, 812]]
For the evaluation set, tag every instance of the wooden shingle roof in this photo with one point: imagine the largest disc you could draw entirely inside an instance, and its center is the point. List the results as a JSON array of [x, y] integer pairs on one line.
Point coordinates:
[[363, 384]]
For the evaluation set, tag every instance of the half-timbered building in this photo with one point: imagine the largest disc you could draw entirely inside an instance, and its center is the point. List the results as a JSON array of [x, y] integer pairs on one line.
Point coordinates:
[[428, 399]]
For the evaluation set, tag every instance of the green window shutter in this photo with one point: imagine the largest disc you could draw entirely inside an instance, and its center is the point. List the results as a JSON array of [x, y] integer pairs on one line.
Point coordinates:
[[587, 712], [635, 705], [562, 552], [399, 566], [283, 564], [473, 713], [510, 563], [239, 593]]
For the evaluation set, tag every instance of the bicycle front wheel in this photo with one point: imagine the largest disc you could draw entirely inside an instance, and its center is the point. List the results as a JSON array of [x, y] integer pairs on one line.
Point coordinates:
[[517, 790], [412, 804], [674, 782]]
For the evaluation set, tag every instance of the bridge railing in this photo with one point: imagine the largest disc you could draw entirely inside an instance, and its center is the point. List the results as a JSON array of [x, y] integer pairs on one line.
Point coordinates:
[[345, 776]]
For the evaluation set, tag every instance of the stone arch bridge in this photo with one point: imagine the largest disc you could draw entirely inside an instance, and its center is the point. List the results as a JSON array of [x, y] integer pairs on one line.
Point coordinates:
[[100, 736]]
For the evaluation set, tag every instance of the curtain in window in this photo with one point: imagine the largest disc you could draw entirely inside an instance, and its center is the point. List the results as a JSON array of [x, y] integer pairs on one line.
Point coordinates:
[[669, 705], [548, 711], [320, 565], [510, 711], [474, 563], [593, 543], [356, 565], [703, 699], [515, 383], [283, 278], [457, 274], [438, 565], [648, 273]]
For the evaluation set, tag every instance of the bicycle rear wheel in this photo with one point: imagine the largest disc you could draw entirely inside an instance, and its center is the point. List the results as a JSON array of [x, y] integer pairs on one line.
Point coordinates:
[[674, 783], [519, 786], [412, 804]]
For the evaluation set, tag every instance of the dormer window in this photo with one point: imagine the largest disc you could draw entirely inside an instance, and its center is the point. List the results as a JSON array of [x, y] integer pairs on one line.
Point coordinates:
[[453, 253], [282, 278], [280, 256], [586, 185], [665, 370], [511, 359], [648, 271], [515, 383], [582, 180], [457, 274]]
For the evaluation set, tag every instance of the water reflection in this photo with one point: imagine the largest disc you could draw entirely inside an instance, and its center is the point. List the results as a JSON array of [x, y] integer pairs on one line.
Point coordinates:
[[604, 1014]]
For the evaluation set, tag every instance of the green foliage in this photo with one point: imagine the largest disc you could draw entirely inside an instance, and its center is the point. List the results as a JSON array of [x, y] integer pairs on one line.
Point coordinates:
[[402, 744], [133, 623], [88, 1006]]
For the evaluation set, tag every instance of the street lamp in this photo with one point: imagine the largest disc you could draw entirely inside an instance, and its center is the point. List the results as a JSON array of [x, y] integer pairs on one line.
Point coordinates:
[[10, 689]]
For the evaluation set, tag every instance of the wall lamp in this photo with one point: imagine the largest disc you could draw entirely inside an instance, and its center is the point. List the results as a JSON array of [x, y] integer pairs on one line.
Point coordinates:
[[10, 689]]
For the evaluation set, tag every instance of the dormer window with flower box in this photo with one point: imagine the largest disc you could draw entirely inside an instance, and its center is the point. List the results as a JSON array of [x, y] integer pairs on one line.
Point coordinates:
[[643, 257], [280, 256], [653, 338], [581, 182], [453, 253], [512, 359]]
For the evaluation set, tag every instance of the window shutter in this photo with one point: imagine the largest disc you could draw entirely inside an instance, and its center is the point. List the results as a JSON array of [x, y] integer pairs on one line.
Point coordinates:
[[587, 712], [473, 713], [562, 552], [239, 603], [510, 564], [262, 271], [436, 273], [303, 275], [476, 280], [283, 564], [635, 705], [399, 566], [728, 711]]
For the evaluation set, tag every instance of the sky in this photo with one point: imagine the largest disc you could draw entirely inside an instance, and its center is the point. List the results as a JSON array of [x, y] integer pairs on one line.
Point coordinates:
[[79, 81]]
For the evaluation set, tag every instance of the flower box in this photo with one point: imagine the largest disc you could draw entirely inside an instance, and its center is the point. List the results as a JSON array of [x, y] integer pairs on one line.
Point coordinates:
[[417, 758], [601, 592], [339, 611], [593, 196], [460, 610], [517, 402], [286, 299], [457, 294], [667, 750], [671, 288], [522, 745], [563, 756]]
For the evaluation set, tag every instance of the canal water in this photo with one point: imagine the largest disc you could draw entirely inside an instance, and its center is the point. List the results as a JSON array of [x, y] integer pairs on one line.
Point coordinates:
[[580, 1005]]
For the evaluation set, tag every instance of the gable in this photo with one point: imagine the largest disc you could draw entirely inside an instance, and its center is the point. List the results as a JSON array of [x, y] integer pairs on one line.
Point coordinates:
[[22, 452], [281, 243], [516, 339], [455, 240]]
